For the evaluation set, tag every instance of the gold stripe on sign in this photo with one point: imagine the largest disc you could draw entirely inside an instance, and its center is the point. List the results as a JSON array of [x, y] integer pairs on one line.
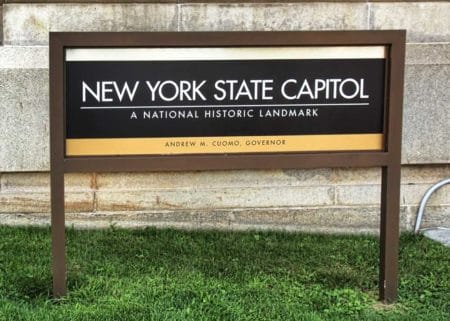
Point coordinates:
[[220, 145]]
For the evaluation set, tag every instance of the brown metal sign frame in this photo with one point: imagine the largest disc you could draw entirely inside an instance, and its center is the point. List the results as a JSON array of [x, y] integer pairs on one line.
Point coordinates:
[[388, 159]]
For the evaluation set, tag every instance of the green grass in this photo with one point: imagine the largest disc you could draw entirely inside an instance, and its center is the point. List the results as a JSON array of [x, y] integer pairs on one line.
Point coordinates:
[[179, 275]]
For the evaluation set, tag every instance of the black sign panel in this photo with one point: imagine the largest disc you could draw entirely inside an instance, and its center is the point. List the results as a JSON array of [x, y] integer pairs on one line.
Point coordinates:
[[224, 98]]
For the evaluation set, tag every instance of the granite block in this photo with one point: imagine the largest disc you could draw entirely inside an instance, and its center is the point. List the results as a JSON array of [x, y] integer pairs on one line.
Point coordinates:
[[213, 198], [426, 115], [29, 24], [24, 127], [423, 21], [275, 16]]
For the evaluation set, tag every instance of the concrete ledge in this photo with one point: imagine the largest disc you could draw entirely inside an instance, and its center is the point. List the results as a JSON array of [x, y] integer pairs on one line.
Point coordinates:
[[305, 219]]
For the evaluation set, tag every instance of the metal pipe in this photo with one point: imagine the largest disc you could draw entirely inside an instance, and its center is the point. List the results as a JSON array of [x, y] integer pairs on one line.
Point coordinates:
[[425, 200]]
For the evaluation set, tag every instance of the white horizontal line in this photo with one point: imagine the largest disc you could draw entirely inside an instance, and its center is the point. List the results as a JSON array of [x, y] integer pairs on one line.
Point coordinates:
[[225, 53], [223, 106]]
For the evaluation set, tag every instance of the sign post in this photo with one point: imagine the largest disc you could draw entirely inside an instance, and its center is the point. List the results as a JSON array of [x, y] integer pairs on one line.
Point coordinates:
[[206, 101]]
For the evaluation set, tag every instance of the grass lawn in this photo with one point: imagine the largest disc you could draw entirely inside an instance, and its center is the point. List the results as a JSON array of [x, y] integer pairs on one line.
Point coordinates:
[[180, 275]]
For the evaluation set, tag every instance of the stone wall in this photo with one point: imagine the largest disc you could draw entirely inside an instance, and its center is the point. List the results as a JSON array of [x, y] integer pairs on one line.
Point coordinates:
[[339, 200]]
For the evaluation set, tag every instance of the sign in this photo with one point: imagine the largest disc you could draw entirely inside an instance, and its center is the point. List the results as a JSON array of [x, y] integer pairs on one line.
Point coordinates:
[[126, 101], [175, 101]]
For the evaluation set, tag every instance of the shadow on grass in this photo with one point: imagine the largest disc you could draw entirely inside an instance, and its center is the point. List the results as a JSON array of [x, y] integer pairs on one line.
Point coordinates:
[[31, 287]]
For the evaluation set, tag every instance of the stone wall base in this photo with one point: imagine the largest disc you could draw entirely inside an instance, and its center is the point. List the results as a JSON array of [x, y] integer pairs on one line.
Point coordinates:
[[320, 200]]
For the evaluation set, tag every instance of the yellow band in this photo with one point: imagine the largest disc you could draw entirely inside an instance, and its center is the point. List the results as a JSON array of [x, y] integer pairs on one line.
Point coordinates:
[[221, 145]]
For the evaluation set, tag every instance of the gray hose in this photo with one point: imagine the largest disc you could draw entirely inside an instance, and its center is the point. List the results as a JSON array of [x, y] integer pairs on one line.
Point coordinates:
[[425, 200]]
